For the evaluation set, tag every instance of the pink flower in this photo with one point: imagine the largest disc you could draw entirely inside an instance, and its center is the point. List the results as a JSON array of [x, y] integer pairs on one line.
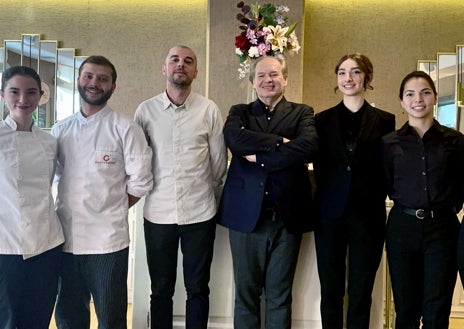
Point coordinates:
[[252, 36], [263, 48]]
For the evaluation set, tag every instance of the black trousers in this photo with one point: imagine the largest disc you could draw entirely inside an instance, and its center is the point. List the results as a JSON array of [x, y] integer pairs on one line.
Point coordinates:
[[461, 254], [349, 249], [28, 289], [100, 276], [422, 255], [196, 243], [264, 260]]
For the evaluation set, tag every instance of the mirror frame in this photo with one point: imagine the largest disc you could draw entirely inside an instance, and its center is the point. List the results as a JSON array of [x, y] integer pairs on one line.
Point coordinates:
[[446, 88], [429, 67], [460, 85]]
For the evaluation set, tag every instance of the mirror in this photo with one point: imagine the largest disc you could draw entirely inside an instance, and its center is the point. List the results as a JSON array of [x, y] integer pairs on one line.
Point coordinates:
[[12, 53], [30, 50], [56, 67], [65, 83], [77, 63], [446, 88], [11, 57], [2, 60], [429, 67], [460, 85], [46, 115]]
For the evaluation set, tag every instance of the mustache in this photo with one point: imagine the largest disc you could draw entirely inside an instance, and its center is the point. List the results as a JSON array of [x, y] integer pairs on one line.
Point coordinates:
[[93, 89]]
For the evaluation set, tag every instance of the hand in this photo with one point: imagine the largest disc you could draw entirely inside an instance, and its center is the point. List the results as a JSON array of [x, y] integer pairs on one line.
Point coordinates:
[[251, 157], [132, 199]]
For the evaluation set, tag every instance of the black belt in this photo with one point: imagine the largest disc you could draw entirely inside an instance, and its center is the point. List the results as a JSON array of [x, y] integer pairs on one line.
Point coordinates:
[[423, 214]]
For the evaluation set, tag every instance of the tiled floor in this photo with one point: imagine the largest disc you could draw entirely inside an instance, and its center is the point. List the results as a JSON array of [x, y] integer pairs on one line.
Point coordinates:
[[456, 323]]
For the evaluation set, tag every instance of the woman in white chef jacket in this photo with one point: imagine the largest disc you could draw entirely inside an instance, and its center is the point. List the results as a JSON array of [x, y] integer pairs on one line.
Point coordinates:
[[30, 232]]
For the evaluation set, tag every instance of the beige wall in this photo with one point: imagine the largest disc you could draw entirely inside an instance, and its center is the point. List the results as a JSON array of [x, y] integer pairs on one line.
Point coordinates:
[[394, 34], [136, 35]]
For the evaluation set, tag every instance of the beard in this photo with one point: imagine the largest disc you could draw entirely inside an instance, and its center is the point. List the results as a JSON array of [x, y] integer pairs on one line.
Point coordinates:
[[99, 101], [180, 81]]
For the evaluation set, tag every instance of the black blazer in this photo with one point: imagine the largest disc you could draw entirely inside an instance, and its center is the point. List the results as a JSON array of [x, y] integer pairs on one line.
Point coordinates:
[[339, 180], [283, 166]]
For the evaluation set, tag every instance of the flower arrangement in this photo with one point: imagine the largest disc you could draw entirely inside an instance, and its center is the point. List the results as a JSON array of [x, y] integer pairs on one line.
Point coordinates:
[[264, 32]]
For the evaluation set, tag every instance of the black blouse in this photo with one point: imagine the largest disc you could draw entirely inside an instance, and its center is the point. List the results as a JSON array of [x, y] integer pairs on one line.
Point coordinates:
[[427, 172]]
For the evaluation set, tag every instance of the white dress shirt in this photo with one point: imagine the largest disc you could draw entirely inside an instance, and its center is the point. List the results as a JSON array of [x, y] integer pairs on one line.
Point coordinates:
[[189, 158], [101, 159], [28, 222]]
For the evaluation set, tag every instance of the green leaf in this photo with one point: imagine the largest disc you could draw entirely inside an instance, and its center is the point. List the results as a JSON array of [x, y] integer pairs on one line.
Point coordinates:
[[242, 58], [267, 11], [291, 28], [255, 10]]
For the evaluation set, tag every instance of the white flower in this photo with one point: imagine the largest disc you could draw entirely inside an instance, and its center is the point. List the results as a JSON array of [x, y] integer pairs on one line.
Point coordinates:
[[280, 19], [243, 70], [277, 37], [253, 51], [283, 9], [294, 44], [238, 52]]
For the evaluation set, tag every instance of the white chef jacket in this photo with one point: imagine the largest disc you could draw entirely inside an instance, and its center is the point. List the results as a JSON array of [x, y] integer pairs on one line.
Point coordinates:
[[28, 222], [189, 158], [101, 159]]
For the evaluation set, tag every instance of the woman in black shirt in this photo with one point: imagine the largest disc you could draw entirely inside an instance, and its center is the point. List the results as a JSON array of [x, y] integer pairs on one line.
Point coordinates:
[[423, 164]]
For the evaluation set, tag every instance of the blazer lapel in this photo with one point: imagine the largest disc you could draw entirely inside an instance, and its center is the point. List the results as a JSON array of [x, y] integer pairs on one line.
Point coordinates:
[[369, 122], [258, 116], [334, 129], [282, 109], [368, 125]]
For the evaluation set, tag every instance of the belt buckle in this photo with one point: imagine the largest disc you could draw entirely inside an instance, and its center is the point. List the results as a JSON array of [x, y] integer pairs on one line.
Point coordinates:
[[420, 213]]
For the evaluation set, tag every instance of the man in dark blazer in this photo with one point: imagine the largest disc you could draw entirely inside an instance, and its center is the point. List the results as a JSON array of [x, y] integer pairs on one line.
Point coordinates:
[[266, 201], [350, 195]]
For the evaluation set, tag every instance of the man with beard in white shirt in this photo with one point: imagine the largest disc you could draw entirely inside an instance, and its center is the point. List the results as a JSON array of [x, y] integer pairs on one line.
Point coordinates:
[[104, 167]]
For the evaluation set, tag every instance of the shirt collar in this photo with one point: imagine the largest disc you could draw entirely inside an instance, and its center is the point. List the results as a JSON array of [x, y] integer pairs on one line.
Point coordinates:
[[407, 129], [264, 106], [167, 102], [94, 117], [346, 111], [11, 123], [14, 126]]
